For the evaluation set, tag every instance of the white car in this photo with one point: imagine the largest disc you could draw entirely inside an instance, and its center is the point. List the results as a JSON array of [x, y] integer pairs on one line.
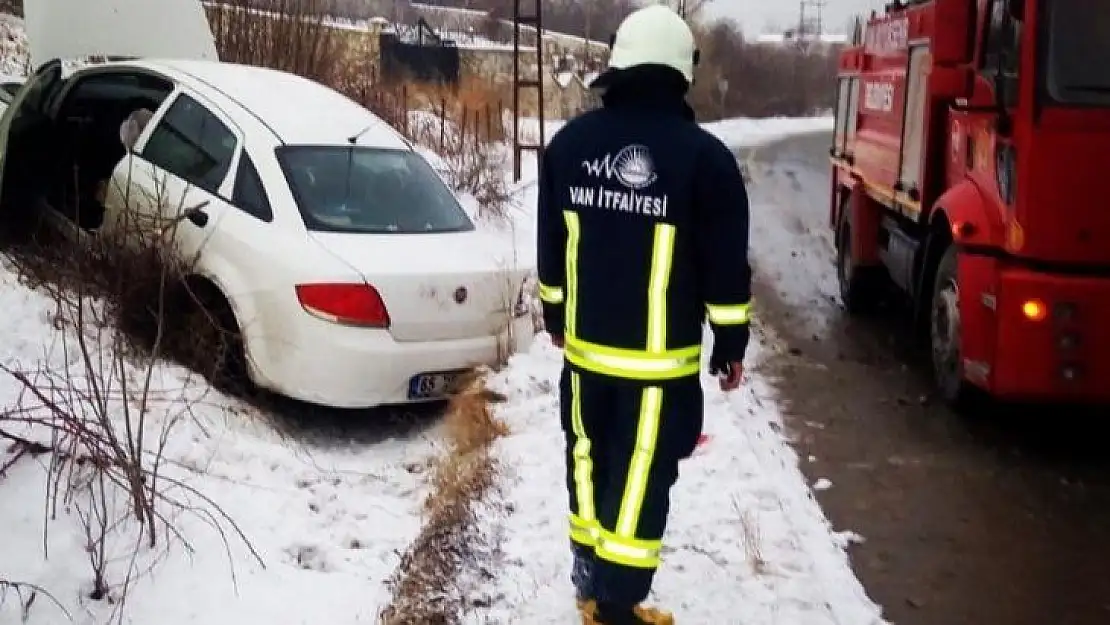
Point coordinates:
[[350, 270]]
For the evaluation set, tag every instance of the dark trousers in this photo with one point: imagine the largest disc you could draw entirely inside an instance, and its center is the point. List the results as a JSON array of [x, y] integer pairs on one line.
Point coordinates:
[[624, 442]]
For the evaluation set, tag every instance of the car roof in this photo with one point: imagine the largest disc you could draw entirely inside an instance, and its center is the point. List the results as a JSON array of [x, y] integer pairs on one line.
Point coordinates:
[[296, 109]]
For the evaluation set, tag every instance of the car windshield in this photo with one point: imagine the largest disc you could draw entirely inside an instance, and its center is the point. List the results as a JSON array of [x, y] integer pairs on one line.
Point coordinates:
[[1078, 46], [369, 190]]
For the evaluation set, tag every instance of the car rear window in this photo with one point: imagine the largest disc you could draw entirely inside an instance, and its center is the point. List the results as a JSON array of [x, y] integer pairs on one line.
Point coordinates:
[[371, 190]]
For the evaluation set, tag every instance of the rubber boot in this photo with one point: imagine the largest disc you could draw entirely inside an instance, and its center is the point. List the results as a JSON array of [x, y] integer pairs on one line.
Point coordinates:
[[613, 615]]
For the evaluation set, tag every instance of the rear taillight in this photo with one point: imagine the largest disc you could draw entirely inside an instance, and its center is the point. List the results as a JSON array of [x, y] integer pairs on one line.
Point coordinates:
[[345, 303]]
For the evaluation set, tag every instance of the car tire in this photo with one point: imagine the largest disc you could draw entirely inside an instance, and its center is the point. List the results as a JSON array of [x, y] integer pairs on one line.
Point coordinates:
[[212, 320]]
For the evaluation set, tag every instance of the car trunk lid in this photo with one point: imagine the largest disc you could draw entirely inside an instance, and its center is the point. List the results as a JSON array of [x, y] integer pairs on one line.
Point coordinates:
[[438, 286]]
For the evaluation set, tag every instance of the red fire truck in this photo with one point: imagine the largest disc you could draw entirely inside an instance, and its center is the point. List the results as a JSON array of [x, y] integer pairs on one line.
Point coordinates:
[[971, 139]]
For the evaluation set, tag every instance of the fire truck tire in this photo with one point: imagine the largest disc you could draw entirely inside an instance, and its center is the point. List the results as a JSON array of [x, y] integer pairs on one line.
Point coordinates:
[[860, 287], [945, 332]]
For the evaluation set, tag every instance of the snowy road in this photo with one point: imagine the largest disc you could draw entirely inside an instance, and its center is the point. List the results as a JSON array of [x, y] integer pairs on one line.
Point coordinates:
[[993, 520]]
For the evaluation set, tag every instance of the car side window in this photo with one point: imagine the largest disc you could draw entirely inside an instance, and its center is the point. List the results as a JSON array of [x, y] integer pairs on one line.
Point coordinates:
[[192, 143], [249, 194]]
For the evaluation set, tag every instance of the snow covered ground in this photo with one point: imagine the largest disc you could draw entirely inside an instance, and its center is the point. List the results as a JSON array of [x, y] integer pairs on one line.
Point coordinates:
[[327, 517]]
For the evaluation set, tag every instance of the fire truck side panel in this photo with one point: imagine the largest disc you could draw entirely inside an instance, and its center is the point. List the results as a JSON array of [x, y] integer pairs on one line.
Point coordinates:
[[1071, 224], [970, 215], [977, 276]]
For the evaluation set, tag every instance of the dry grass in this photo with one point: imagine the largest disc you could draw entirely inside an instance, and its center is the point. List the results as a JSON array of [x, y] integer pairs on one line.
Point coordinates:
[[424, 589], [752, 538]]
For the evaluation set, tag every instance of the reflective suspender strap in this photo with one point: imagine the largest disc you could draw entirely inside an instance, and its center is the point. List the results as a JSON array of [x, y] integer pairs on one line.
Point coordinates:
[[729, 315], [662, 252], [622, 546], [583, 522], [574, 235], [551, 294]]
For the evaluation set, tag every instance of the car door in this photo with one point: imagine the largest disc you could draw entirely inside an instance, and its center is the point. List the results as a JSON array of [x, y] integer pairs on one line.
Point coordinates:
[[167, 29], [29, 106], [177, 179]]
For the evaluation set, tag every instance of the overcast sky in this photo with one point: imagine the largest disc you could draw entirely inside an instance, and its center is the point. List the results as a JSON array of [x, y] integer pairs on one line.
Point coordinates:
[[755, 15]]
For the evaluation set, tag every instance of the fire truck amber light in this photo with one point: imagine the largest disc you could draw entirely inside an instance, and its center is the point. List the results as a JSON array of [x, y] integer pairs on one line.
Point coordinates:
[[1034, 310], [963, 230]]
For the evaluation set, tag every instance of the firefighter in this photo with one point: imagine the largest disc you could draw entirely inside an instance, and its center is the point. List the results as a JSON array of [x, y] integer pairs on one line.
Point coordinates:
[[642, 236]]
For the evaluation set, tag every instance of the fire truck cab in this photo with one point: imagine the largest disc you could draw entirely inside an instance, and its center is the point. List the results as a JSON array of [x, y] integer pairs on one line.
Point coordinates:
[[972, 139]]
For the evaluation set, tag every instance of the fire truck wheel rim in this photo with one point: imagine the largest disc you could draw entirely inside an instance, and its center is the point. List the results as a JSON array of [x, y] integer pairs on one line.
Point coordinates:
[[946, 331]]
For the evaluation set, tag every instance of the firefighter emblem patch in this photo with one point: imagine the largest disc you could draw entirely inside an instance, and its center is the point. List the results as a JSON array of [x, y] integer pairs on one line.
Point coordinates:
[[634, 167]]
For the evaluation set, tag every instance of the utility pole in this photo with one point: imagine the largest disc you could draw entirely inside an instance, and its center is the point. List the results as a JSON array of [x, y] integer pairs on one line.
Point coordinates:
[[811, 13], [535, 20]]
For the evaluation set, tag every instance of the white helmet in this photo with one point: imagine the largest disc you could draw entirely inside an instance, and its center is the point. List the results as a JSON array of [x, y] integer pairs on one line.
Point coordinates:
[[655, 35]]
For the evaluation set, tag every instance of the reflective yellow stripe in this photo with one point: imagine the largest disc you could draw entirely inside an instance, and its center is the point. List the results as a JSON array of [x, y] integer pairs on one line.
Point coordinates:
[[642, 554], [662, 251], [574, 234], [633, 364], [551, 294], [583, 468], [584, 532], [635, 486], [729, 315]]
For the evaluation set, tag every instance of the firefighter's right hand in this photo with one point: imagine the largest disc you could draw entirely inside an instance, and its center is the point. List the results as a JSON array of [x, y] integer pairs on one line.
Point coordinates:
[[731, 377]]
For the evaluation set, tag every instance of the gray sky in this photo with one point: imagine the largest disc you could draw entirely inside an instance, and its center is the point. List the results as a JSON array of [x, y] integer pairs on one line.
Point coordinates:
[[757, 14]]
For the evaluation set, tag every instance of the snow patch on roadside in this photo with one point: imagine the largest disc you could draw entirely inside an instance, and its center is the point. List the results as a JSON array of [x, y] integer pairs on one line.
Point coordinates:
[[329, 522]]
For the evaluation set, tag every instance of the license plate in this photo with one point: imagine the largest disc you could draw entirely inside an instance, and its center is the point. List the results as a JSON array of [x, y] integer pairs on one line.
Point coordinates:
[[433, 385]]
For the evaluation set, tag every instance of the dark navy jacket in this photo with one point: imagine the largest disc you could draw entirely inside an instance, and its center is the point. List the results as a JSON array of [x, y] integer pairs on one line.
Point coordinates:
[[642, 231]]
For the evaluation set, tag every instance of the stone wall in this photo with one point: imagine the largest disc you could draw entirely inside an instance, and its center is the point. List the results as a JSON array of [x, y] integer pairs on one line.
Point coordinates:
[[565, 93]]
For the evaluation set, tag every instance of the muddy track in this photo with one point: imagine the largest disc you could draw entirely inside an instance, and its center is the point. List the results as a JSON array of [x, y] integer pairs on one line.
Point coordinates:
[[999, 519]]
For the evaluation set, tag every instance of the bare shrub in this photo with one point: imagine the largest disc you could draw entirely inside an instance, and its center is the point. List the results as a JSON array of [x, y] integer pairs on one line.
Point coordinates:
[[288, 35], [101, 409], [469, 165], [26, 595]]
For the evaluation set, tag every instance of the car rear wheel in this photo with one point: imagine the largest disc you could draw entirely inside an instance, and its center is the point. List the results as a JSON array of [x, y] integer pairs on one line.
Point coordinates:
[[221, 354]]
